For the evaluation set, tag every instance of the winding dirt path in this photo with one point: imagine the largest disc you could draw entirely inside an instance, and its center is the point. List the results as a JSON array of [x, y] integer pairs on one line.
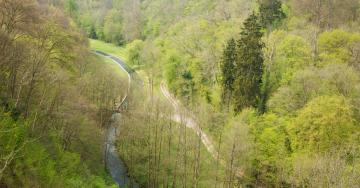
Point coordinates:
[[183, 116]]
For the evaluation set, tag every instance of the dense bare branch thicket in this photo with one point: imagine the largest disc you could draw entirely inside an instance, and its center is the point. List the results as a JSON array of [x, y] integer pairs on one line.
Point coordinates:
[[48, 99]]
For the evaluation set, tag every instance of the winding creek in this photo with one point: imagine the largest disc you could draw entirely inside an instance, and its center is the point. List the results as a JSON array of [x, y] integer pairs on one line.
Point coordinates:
[[114, 164]]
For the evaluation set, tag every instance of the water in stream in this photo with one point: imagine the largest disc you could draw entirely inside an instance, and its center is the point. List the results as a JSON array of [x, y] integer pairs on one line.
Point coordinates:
[[114, 164]]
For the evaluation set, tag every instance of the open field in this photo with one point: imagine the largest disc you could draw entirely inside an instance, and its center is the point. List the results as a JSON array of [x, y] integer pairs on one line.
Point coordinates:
[[108, 48]]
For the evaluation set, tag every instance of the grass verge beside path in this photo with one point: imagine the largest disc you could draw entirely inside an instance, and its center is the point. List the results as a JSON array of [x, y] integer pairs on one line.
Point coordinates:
[[113, 66], [108, 48]]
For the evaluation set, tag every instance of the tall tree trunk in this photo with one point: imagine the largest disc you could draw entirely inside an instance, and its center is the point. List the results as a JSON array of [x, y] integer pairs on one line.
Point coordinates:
[[231, 173], [197, 162], [176, 161], [160, 152], [149, 151], [185, 156], [218, 161], [169, 150]]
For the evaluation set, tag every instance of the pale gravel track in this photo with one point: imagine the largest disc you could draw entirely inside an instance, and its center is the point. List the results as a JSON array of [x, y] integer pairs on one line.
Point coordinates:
[[183, 116]]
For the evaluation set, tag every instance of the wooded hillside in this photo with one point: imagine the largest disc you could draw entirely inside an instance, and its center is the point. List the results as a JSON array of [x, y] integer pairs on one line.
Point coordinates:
[[274, 83], [52, 110], [282, 74]]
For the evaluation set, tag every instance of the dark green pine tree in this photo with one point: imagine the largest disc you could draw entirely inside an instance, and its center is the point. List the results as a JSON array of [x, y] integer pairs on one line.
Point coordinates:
[[271, 13], [92, 33], [249, 65], [228, 72]]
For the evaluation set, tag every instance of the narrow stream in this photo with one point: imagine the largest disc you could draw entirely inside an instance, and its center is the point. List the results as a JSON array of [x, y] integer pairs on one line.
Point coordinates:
[[114, 164]]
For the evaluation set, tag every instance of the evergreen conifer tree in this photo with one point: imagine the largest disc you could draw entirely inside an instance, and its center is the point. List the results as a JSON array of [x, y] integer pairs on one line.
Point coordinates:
[[228, 71], [249, 65], [270, 13], [92, 33]]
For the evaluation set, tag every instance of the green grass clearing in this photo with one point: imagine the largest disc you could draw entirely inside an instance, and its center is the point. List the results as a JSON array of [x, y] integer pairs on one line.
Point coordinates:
[[113, 66], [108, 48]]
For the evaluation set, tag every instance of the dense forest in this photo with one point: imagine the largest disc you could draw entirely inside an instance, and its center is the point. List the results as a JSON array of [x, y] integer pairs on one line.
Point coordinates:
[[274, 84]]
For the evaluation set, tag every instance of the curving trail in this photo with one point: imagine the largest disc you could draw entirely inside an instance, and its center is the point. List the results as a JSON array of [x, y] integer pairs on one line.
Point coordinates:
[[183, 116]]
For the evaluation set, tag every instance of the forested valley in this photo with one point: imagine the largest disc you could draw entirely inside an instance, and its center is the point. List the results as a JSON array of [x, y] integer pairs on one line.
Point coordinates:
[[214, 93]]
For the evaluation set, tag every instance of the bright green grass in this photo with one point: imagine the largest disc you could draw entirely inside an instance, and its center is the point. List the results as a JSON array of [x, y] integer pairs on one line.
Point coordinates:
[[108, 48], [115, 67]]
